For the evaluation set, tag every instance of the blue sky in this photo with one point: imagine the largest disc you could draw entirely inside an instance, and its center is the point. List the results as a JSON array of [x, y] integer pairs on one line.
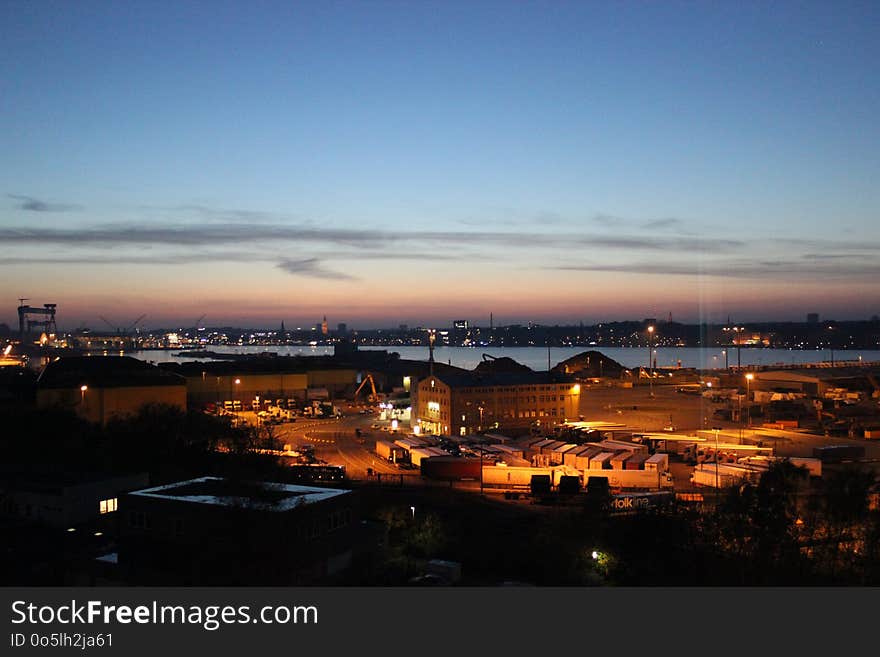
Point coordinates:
[[417, 162]]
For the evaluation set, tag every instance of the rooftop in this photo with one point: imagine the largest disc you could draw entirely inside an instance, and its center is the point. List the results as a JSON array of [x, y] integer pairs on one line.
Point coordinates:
[[104, 372], [475, 379], [262, 495]]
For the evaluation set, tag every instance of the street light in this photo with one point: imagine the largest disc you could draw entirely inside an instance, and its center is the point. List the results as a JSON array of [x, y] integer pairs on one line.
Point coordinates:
[[82, 393], [716, 430], [650, 369], [749, 377]]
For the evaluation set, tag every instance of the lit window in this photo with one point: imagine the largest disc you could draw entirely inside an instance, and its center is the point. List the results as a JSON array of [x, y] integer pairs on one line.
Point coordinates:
[[107, 506]]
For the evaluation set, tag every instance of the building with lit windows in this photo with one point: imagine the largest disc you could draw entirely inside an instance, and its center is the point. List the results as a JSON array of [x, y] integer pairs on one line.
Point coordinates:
[[470, 403]]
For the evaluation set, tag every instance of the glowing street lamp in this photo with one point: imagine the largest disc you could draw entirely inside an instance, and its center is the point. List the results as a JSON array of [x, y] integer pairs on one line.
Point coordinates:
[[650, 368], [749, 377], [82, 393]]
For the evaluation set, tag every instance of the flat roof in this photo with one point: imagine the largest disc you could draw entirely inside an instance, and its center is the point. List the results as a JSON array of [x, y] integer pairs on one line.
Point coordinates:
[[262, 495], [105, 372]]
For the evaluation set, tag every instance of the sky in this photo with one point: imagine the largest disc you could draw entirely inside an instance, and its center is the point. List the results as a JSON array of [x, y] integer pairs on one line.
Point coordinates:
[[418, 162]]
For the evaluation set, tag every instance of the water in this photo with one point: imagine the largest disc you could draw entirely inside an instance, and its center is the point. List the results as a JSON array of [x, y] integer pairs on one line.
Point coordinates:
[[536, 357]]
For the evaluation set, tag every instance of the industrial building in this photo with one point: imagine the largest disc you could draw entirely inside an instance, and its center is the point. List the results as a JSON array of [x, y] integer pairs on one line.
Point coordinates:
[[258, 533], [816, 381], [265, 378], [100, 388], [470, 403]]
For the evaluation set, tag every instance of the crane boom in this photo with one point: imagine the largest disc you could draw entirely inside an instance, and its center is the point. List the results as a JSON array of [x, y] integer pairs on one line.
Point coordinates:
[[367, 378], [135, 323]]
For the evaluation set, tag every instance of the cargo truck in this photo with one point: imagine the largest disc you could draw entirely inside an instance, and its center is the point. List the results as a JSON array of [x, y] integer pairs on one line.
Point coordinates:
[[633, 479]]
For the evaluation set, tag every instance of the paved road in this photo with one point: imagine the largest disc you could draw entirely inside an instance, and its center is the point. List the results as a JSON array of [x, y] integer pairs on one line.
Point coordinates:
[[335, 442]]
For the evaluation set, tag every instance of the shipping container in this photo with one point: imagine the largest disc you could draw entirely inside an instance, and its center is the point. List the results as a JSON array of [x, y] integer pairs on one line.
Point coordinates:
[[726, 475], [618, 461], [582, 460], [570, 457], [418, 453], [637, 461], [557, 455], [385, 449], [601, 461], [658, 461], [450, 468]]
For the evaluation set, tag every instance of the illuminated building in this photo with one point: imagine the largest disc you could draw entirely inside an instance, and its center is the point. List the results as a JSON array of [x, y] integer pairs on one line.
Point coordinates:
[[470, 403]]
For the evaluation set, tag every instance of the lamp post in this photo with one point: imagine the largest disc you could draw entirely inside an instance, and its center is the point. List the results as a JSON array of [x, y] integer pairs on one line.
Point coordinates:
[[717, 487], [650, 369], [724, 353], [82, 394], [749, 377]]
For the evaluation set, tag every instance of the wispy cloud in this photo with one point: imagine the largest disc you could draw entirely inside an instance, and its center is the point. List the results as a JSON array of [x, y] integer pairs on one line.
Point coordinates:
[[312, 268], [663, 224], [32, 204], [799, 270], [275, 233], [225, 215]]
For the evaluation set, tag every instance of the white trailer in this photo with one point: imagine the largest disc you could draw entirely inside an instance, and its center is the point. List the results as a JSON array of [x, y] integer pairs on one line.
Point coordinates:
[[557, 456], [658, 461], [385, 449], [616, 445], [813, 465], [570, 457], [514, 477], [582, 460], [601, 461], [632, 479], [726, 475], [418, 453], [501, 476]]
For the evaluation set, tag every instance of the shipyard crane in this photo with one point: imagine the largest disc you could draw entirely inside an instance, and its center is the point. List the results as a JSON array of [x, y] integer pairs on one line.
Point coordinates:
[[119, 331], [374, 396], [135, 323]]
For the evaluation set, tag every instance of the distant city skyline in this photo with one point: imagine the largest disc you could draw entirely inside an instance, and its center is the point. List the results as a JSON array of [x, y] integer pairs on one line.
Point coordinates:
[[393, 163]]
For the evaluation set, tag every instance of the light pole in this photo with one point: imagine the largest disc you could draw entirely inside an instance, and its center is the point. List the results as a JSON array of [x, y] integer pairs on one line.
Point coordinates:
[[717, 487], [724, 353], [650, 369], [749, 377]]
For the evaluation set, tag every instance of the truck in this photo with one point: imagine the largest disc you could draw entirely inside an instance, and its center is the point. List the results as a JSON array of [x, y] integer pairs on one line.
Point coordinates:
[[725, 475], [632, 479], [812, 465], [520, 477], [539, 484]]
